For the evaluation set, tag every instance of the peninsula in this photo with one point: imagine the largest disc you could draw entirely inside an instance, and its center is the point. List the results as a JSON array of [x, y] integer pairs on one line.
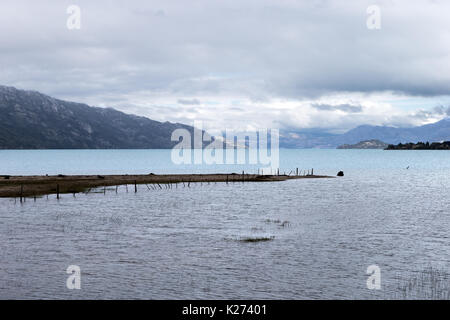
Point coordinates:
[[445, 145], [33, 186], [367, 144]]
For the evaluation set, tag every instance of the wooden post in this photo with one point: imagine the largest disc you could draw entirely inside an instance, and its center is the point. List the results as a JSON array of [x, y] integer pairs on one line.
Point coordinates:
[[57, 191], [312, 171], [296, 172], [227, 179], [21, 192], [243, 176], [117, 188], [135, 186], [278, 172]]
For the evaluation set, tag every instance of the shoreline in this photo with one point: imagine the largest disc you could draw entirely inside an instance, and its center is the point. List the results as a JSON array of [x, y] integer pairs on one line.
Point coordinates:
[[33, 186]]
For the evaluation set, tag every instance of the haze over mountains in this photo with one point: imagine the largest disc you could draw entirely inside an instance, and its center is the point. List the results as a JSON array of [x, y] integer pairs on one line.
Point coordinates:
[[31, 120]]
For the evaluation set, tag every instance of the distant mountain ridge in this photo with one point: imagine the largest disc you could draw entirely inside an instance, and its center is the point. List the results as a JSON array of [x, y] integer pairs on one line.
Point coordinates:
[[31, 120], [434, 132]]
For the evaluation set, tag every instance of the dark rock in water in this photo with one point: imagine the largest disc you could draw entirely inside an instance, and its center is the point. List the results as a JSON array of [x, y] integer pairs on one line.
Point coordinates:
[[340, 174]]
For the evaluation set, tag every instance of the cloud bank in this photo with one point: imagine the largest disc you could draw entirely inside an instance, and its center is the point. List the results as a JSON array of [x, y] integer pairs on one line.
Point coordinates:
[[299, 64]]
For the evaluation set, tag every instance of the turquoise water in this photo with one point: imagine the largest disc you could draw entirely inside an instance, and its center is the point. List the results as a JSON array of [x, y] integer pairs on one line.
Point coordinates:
[[39, 162], [187, 243]]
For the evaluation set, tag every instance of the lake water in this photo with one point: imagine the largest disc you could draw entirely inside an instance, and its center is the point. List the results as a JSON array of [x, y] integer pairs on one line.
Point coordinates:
[[190, 243]]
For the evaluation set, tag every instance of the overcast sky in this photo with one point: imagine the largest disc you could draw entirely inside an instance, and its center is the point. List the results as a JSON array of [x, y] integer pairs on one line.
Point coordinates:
[[237, 64]]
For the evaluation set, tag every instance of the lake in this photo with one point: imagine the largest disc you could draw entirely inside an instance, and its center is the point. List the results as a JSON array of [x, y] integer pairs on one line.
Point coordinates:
[[205, 242]]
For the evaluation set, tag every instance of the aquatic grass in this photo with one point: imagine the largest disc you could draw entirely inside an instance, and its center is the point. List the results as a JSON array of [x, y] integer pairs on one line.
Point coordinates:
[[273, 221], [282, 224], [428, 284], [285, 224], [256, 239]]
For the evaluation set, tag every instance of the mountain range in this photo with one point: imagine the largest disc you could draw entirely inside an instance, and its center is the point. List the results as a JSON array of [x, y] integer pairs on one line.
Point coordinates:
[[32, 120], [434, 132]]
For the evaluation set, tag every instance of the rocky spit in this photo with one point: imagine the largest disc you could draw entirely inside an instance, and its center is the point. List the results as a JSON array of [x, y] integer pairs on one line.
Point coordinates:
[[33, 186]]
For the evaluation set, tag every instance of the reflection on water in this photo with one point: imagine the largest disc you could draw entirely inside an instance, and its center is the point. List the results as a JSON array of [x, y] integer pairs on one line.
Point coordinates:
[[280, 240]]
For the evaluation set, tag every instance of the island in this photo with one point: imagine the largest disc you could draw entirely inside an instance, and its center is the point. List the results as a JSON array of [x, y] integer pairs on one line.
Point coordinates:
[[367, 144], [445, 145]]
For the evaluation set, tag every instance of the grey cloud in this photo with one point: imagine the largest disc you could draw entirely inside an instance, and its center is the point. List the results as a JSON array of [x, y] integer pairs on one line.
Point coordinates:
[[189, 101], [340, 107], [262, 50], [442, 110], [276, 49], [418, 117], [160, 13]]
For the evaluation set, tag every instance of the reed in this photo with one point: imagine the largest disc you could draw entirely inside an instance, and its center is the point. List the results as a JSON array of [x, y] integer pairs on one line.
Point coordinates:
[[428, 284]]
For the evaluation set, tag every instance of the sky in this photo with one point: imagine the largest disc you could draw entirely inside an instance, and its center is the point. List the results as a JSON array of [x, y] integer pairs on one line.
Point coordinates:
[[238, 65]]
